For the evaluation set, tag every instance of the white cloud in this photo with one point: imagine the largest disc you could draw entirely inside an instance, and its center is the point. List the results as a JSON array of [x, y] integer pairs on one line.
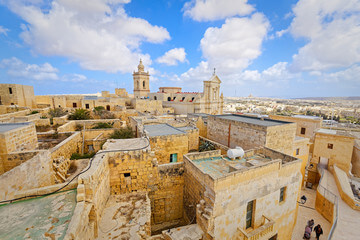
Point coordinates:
[[233, 46], [209, 10], [18, 69], [173, 56], [99, 34], [3, 30], [332, 30], [74, 78], [349, 75]]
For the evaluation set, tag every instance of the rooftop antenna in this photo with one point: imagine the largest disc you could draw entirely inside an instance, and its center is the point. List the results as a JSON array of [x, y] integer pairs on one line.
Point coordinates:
[[214, 70]]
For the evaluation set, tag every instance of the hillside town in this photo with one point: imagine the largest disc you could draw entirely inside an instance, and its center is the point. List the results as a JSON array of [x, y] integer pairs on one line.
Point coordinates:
[[173, 165]]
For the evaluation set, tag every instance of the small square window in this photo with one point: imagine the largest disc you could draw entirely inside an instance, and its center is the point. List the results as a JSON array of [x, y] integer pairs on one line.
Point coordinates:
[[126, 174], [330, 146], [173, 157], [282, 194], [303, 130], [297, 151], [87, 106]]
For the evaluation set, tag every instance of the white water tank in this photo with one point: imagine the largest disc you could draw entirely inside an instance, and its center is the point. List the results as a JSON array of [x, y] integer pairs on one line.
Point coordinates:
[[235, 152]]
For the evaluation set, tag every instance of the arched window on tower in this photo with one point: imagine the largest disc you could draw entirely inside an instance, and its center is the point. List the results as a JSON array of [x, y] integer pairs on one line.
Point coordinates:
[[144, 84]]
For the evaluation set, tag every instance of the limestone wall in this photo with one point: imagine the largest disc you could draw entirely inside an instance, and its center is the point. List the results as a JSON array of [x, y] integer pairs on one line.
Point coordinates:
[[60, 120], [343, 185], [24, 177], [301, 151], [42, 122], [202, 127], [9, 116], [310, 125], [11, 160], [355, 160], [67, 147], [244, 135], [167, 198], [138, 171], [147, 105], [19, 139], [163, 146], [193, 139], [340, 154], [89, 124], [281, 137]]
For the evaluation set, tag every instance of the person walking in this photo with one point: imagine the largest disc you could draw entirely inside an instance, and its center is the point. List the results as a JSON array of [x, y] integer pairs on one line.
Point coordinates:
[[307, 233], [318, 231]]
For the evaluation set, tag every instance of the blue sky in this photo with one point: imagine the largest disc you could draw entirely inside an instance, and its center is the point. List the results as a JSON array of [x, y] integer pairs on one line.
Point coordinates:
[[282, 48]]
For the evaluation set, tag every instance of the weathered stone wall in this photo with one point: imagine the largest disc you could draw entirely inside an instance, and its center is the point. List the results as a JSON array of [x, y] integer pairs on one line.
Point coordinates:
[[193, 138], [89, 124], [310, 125], [34, 173], [20, 95], [163, 146], [166, 196], [138, 171], [247, 136], [302, 145], [42, 122], [202, 127], [281, 137], [67, 147], [93, 192], [19, 139], [14, 159], [147, 105], [355, 160], [60, 120], [7, 117], [340, 154]]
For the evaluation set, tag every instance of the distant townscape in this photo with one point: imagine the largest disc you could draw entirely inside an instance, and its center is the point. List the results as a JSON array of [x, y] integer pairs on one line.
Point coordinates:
[[173, 165]]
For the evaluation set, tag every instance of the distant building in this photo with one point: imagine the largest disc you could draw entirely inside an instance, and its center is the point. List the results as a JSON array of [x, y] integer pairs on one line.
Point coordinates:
[[16, 94], [210, 101]]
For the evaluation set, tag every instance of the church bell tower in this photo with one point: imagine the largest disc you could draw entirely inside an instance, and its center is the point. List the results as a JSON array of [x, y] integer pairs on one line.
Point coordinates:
[[141, 82]]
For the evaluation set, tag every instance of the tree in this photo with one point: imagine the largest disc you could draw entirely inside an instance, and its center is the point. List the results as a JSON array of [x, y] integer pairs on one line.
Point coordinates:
[[123, 133], [57, 112], [80, 114]]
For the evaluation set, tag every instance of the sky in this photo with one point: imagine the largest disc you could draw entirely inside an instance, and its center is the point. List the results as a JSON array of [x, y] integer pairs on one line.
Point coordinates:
[[281, 48]]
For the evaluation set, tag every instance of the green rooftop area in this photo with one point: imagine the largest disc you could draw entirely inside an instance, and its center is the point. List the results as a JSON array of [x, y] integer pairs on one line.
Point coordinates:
[[38, 218]]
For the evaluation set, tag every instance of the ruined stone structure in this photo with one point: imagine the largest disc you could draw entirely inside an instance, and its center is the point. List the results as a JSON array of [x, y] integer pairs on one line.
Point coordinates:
[[16, 94], [141, 82]]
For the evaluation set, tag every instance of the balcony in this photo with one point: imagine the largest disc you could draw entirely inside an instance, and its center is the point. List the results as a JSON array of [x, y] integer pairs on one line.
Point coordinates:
[[264, 231]]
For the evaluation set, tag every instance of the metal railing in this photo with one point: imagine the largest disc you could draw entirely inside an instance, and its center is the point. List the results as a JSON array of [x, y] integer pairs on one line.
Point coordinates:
[[331, 197]]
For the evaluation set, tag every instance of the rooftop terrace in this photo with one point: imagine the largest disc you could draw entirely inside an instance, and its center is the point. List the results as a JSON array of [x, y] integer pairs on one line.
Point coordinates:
[[220, 166], [252, 120]]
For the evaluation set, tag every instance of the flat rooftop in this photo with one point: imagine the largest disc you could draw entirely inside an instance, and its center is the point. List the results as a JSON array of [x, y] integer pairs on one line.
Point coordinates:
[[252, 120], [38, 218], [161, 130], [126, 144], [307, 117], [5, 127], [334, 132], [221, 166], [186, 128]]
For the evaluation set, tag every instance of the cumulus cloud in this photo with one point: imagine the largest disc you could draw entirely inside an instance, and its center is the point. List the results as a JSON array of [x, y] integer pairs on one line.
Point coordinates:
[[99, 34], [3, 30], [173, 57], [349, 75], [332, 30], [18, 69], [209, 10], [230, 48]]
